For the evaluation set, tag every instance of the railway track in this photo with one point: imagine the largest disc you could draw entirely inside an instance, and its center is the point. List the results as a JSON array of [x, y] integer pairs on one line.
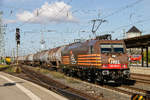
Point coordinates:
[[124, 89], [55, 86], [141, 78], [135, 89], [69, 92]]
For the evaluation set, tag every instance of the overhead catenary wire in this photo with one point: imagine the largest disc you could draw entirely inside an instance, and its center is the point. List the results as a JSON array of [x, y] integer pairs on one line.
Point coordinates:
[[101, 20], [123, 8], [127, 25], [59, 12]]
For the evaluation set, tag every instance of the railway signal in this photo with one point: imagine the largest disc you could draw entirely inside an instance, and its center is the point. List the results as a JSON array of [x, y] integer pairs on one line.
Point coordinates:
[[17, 69], [18, 36]]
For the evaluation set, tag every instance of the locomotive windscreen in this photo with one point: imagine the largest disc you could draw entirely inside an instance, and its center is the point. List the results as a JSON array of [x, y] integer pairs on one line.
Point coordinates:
[[118, 48], [110, 48], [106, 48]]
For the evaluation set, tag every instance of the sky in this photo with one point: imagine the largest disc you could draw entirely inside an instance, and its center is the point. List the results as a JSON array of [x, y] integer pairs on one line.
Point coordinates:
[[59, 22]]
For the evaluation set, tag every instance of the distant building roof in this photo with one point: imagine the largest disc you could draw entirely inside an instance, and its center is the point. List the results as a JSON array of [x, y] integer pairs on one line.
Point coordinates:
[[134, 30]]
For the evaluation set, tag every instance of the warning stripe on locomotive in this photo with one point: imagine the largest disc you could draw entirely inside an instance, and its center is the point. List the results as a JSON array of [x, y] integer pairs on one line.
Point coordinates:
[[89, 55], [89, 64], [89, 60], [65, 60]]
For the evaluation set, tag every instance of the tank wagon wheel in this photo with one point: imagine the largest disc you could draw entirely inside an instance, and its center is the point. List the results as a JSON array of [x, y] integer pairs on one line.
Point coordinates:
[[66, 71], [72, 73], [69, 73]]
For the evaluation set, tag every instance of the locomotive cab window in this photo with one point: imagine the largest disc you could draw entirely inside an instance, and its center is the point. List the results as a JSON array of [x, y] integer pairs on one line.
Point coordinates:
[[109, 48], [106, 48], [118, 48]]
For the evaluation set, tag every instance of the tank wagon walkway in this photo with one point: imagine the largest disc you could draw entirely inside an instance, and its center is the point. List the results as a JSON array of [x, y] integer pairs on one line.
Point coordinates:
[[13, 88]]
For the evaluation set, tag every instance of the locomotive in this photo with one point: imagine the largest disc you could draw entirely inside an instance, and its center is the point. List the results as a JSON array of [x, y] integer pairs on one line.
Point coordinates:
[[97, 60]]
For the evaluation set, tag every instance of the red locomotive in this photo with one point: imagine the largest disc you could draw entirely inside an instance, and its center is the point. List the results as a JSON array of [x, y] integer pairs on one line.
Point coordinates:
[[96, 60]]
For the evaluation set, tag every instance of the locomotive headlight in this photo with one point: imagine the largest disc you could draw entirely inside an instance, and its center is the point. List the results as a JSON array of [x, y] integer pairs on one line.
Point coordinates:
[[126, 72], [105, 72], [113, 56]]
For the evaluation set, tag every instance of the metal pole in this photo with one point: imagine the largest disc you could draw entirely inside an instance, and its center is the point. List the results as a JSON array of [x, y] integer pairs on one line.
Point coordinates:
[[17, 54], [146, 56], [13, 54], [142, 57]]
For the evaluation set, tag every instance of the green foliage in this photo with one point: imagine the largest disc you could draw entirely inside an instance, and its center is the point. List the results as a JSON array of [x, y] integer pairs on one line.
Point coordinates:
[[3, 66], [71, 80], [148, 56], [10, 70]]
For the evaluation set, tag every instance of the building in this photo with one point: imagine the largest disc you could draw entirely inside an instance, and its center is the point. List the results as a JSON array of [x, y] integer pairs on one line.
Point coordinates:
[[133, 32], [134, 52]]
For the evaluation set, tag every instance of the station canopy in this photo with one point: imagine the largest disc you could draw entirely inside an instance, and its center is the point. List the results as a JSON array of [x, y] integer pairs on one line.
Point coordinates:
[[138, 42]]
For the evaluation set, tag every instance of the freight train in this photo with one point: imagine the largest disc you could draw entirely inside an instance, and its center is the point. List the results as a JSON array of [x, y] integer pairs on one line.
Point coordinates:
[[98, 60]]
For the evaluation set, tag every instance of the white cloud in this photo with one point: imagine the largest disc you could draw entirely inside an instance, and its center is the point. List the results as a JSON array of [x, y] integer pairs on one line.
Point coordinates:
[[55, 12]]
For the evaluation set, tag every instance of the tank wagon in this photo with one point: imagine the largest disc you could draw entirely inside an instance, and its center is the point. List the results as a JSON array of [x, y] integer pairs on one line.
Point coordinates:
[[29, 59], [97, 60], [21, 59], [47, 58]]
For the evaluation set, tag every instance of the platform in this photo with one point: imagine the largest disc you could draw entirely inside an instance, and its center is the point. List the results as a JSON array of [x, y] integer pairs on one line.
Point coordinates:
[[14, 88], [140, 70]]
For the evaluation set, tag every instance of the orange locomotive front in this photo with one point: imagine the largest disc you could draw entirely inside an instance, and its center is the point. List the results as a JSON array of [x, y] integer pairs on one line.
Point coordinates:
[[96, 60]]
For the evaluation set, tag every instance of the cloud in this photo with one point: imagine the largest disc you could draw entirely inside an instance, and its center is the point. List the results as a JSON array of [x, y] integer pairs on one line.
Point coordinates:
[[48, 13]]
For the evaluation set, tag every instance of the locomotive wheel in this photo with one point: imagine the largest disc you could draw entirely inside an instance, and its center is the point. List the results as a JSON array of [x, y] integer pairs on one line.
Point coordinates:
[[70, 72], [99, 79], [83, 76], [119, 82]]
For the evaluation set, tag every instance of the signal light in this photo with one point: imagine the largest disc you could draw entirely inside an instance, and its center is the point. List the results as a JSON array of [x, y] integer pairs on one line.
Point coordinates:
[[18, 36]]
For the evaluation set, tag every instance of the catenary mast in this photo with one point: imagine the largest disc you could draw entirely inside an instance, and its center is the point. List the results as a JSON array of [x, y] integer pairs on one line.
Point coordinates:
[[2, 33]]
